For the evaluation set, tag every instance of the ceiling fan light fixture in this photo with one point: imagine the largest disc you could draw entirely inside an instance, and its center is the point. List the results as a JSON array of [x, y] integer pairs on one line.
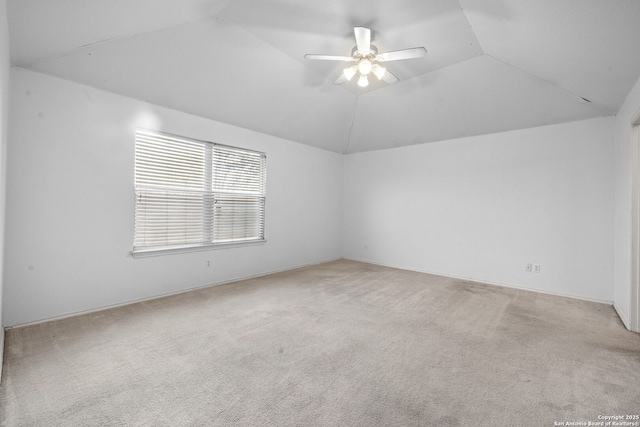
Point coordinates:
[[364, 66], [365, 57], [350, 72], [379, 71]]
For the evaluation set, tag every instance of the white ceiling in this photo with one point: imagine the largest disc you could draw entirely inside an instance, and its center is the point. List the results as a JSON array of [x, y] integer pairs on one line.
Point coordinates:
[[491, 66]]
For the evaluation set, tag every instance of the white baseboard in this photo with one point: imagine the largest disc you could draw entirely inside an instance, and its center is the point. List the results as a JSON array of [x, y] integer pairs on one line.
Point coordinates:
[[108, 307], [622, 317], [239, 279], [1, 354], [504, 285]]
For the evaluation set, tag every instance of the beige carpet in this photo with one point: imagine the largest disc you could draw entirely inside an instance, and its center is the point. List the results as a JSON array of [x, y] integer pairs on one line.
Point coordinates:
[[339, 344]]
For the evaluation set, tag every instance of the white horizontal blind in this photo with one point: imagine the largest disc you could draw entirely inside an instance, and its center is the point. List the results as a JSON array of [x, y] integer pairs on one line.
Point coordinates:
[[192, 193], [238, 185]]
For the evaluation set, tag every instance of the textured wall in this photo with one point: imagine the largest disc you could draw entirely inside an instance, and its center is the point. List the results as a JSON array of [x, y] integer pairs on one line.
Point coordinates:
[[70, 203], [4, 106], [483, 207]]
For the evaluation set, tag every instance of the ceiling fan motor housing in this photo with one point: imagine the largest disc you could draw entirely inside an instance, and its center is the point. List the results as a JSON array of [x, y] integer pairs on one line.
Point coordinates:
[[357, 55]]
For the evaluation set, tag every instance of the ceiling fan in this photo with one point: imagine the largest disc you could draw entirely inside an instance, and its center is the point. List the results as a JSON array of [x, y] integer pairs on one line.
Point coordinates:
[[367, 59]]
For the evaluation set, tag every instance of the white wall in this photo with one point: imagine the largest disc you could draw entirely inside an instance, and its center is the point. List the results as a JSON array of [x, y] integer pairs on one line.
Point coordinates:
[[70, 203], [4, 107], [625, 115], [482, 207], [478, 207]]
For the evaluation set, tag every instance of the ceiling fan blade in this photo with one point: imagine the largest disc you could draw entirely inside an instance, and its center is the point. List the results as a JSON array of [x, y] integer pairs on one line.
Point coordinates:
[[415, 52], [389, 78], [329, 57], [363, 38]]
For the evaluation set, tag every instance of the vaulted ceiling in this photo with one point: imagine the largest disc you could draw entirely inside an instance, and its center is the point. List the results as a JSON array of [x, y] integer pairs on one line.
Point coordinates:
[[491, 66]]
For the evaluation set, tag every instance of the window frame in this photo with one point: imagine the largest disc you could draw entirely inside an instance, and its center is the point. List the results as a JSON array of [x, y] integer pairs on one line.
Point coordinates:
[[208, 209]]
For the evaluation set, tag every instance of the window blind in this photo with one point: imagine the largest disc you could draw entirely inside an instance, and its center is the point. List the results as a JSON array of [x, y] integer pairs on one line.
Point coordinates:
[[192, 193]]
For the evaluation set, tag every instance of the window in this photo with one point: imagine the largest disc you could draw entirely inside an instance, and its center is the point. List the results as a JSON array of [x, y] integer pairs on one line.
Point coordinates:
[[194, 194]]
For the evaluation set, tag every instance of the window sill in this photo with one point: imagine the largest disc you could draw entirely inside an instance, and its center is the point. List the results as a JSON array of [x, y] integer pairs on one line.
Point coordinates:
[[145, 253]]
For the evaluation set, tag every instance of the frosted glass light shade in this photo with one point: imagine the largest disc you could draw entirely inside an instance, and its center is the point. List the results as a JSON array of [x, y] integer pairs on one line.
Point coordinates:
[[363, 81], [364, 67], [350, 72], [378, 71]]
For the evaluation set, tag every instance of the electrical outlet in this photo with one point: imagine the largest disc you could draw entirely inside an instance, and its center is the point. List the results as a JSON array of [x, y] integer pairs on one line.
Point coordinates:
[[536, 268], [207, 263], [529, 267]]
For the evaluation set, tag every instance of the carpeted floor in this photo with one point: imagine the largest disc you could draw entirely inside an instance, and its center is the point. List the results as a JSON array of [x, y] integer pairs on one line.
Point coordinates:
[[338, 344]]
